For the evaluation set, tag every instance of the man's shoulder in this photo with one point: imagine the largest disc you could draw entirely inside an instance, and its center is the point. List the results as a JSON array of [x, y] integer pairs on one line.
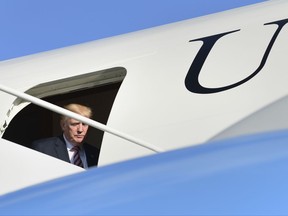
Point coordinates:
[[90, 147], [44, 141], [48, 139]]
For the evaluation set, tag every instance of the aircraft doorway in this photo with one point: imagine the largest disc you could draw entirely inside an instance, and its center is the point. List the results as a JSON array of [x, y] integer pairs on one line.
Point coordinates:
[[34, 122]]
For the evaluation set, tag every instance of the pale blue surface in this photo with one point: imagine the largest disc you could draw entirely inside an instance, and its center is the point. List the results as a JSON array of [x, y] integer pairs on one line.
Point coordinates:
[[241, 176], [31, 26]]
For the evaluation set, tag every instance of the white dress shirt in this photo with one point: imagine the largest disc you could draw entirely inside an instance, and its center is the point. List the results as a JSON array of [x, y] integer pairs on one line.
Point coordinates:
[[69, 146]]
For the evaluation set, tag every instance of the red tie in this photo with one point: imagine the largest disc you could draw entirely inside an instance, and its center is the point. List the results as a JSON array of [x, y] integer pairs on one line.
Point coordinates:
[[76, 157]]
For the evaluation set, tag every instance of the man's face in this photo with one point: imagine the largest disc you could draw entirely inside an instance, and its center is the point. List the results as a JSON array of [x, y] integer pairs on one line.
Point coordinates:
[[74, 130]]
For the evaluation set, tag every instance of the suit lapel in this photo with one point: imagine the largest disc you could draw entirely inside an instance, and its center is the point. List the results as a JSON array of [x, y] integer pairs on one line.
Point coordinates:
[[61, 149], [91, 156]]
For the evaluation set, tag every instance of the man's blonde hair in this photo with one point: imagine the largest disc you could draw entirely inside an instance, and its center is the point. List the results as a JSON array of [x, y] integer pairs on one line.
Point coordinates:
[[79, 109]]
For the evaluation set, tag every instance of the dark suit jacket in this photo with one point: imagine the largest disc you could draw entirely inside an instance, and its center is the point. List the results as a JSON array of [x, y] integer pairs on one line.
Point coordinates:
[[56, 147]]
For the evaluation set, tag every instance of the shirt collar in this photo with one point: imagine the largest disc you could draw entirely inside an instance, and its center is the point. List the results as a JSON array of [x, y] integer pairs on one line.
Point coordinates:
[[69, 145]]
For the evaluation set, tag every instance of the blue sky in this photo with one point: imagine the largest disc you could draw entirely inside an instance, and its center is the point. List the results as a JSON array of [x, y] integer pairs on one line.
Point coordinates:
[[32, 26]]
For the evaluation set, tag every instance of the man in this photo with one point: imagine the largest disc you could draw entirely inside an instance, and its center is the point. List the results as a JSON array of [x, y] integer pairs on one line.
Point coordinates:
[[70, 146]]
